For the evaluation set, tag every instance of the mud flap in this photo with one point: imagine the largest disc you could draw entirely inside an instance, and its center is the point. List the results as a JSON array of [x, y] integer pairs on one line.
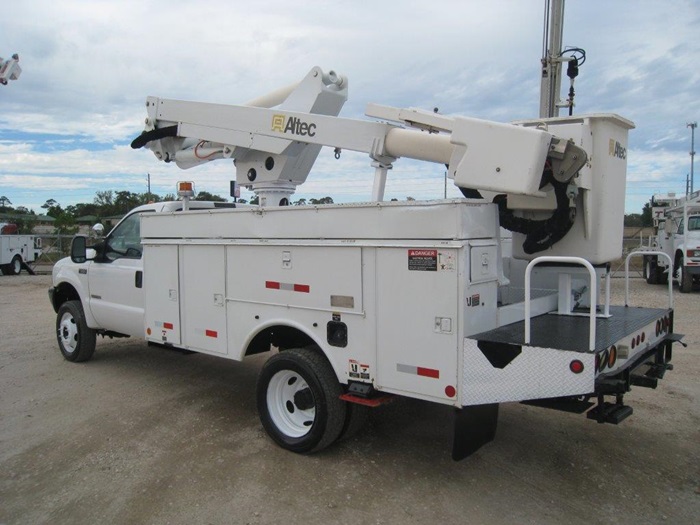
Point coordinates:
[[474, 426]]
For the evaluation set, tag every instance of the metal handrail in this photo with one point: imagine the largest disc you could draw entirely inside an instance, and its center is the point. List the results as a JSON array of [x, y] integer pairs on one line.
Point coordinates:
[[670, 274], [593, 288]]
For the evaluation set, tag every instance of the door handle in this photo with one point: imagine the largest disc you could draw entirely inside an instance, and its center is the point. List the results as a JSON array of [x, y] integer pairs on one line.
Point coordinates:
[[138, 279]]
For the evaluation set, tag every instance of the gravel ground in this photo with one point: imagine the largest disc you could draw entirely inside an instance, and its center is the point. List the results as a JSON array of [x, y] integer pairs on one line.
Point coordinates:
[[143, 435]]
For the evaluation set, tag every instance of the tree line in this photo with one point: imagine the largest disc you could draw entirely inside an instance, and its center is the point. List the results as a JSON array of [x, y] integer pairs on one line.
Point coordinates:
[[110, 203], [106, 204]]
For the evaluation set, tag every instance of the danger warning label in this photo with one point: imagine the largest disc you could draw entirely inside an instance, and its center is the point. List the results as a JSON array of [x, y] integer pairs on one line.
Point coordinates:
[[423, 260]]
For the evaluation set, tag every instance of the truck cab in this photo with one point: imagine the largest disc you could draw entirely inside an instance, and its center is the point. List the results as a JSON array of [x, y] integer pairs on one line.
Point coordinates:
[[104, 282]]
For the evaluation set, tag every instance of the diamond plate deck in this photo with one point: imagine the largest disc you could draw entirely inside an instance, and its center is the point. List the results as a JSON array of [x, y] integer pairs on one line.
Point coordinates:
[[571, 332]]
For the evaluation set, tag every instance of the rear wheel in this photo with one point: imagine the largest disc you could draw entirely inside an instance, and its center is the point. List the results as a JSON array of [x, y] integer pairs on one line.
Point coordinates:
[[75, 339], [650, 270], [685, 279], [299, 401]]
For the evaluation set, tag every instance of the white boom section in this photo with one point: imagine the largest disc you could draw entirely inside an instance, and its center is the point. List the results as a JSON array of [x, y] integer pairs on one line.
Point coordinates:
[[274, 149]]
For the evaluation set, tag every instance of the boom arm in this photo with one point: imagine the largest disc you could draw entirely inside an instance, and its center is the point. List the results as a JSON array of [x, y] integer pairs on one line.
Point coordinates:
[[274, 149]]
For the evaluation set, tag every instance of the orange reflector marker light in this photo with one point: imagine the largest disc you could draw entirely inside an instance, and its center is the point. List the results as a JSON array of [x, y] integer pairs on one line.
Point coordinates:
[[185, 189], [612, 356], [576, 366]]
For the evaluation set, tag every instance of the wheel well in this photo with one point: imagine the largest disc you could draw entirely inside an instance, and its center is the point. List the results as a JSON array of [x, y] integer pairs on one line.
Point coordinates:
[[62, 293], [280, 336], [677, 260]]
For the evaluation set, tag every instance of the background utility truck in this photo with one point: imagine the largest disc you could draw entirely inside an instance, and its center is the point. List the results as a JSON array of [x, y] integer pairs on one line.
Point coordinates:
[[362, 302], [677, 234], [17, 250]]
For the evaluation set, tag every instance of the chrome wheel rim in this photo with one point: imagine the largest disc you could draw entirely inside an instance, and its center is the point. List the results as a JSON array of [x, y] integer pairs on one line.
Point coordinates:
[[68, 333], [290, 404]]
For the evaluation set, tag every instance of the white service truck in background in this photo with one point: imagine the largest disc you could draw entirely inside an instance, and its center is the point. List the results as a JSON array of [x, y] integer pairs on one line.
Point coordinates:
[[677, 234], [359, 303], [17, 250]]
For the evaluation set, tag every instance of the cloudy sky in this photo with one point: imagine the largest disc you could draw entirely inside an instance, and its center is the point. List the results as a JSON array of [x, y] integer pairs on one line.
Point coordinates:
[[66, 124]]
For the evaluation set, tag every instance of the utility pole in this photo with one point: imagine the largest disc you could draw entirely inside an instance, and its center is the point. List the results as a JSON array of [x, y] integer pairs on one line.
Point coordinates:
[[149, 183], [551, 58], [692, 126]]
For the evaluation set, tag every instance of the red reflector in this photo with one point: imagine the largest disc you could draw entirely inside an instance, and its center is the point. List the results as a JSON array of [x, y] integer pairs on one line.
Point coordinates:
[[450, 391], [168, 326], [633, 340], [576, 366], [643, 336], [211, 333], [304, 288], [272, 284], [428, 372], [638, 340]]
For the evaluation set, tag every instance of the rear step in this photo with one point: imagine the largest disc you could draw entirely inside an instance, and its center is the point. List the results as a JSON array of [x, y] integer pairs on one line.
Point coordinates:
[[372, 402], [613, 413]]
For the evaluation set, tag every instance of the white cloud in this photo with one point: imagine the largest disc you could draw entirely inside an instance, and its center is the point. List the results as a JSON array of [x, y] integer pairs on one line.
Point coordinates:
[[88, 66]]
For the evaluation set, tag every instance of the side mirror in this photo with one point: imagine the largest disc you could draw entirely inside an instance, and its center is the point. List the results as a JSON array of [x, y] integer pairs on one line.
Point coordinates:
[[78, 249], [98, 229]]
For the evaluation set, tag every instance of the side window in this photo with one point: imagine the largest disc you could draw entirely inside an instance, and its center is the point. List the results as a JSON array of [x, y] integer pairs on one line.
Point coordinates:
[[125, 240], [693, 223]]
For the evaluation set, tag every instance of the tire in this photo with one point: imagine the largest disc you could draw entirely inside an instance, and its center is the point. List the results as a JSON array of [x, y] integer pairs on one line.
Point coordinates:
[[661, 275], [685, 279], [16, 265], [298, 397], [75, 340], [651, 273]]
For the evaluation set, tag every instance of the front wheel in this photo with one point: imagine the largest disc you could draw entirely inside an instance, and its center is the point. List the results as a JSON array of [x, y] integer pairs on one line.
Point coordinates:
[[75, 339], [299, 401]]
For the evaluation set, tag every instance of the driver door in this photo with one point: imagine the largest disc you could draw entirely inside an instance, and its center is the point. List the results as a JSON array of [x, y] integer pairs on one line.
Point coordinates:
[[115, 280]]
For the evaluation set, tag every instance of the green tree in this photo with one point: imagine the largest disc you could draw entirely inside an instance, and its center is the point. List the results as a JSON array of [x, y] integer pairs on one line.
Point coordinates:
[[53, 208], [4, 203], [65, 224], [323, 200], [206, 196], [126, 200], [647, 219]]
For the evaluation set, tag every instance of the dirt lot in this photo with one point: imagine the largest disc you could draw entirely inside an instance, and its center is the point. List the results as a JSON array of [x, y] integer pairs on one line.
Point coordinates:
[[142, 435]]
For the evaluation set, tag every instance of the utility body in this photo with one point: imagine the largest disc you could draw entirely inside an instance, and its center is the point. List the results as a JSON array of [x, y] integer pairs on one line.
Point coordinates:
[[359, 303], [677, 234], [17, 250]]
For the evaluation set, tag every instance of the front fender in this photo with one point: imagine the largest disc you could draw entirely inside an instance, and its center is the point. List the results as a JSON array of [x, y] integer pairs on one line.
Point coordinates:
[[70, 281]]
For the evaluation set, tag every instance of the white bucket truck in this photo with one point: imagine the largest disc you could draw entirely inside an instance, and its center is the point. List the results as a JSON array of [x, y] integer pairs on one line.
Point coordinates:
[[677, 235], [361, 302]]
